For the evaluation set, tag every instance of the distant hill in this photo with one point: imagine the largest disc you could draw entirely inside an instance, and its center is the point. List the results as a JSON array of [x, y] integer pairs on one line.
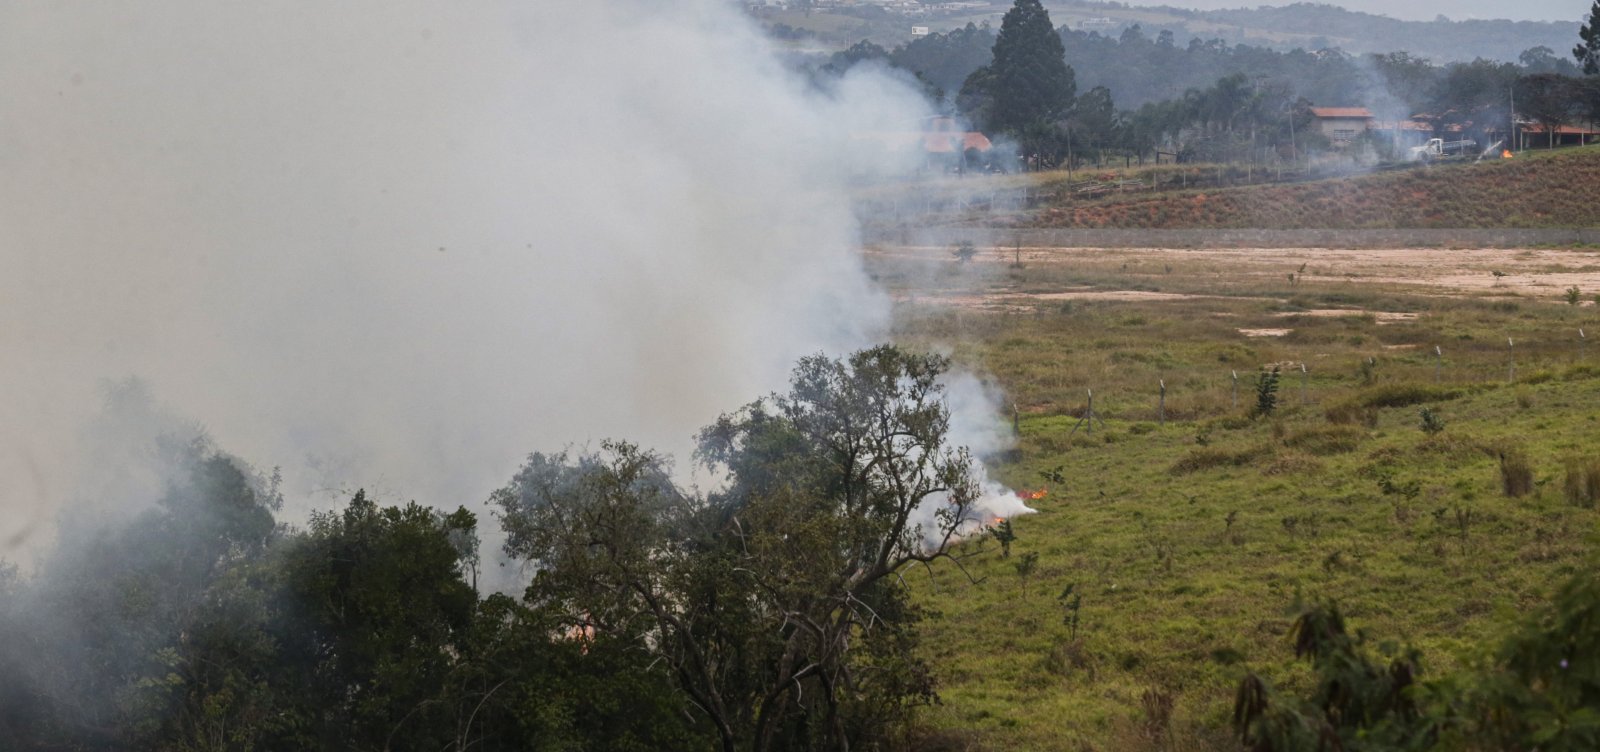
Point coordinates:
[[1316, 26], [1441, 40]]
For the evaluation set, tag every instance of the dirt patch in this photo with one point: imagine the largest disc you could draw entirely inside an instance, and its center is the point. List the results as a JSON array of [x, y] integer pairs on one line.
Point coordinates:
[[1265, 332], [1382, 317], [1539, 272], [1111, 295], [1008, 300]]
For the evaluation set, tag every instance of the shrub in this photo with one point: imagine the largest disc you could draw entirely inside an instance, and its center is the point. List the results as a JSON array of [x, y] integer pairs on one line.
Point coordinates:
[[1516, 472], [1431, 422], [1157, 704], [1350, 412], [1003, 533], [1069, 656], [964, 252], [1292, 463], [1404, 395], [1326, 440], [1537, 377], [1266, 392], [1583, 481], [1205, 458]]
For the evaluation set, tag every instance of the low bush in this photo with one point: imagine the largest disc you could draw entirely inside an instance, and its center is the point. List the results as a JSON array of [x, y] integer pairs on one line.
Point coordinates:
[[1292, 463], [1516, 472], [1350, 412], [1583, 481], [1326, 439], [1205, 458], [1404, 395]]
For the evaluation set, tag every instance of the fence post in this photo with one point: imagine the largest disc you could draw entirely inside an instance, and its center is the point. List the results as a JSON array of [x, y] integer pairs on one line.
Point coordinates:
[[1438, 363], [1511, 349], [1305, 385], [1583, 344], [1235, 390], [1161, 411], [1088, 418]]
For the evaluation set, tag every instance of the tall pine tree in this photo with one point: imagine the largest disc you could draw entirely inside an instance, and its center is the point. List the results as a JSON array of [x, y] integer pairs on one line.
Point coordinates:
[[1031, 83], [1588, 53]]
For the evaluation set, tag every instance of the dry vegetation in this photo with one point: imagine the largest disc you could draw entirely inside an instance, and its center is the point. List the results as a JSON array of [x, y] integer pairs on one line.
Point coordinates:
[[1560, 189]]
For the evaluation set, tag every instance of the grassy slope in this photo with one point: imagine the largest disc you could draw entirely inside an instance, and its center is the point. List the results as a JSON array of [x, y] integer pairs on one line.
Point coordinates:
[[1177, 601], [1559, 189]]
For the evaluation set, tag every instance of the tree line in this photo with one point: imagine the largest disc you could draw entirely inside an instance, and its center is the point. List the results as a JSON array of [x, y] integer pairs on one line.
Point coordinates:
[[1085, 96], [769, 614]]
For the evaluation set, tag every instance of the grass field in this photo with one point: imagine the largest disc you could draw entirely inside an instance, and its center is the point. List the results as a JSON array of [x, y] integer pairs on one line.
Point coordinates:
[[1188, 542], [1535, 189]]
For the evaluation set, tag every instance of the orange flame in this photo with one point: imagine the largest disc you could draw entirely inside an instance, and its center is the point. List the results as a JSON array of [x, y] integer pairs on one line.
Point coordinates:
[[582, 633], [998, 520], [1032, 495], [1505, 154]]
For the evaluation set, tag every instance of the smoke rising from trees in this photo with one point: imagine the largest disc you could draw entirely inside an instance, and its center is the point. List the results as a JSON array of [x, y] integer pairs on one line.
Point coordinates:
[[400, 245]]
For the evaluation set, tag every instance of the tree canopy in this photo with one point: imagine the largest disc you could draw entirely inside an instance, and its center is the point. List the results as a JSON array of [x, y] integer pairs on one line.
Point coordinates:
[[1029, 81], [1588, 50], [774, 602]]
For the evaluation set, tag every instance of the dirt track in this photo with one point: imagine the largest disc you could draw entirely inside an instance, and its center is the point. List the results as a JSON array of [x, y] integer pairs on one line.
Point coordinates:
[[1533, 272]]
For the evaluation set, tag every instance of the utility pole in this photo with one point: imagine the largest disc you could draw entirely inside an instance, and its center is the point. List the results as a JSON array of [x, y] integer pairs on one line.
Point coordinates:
[[1516, 141]]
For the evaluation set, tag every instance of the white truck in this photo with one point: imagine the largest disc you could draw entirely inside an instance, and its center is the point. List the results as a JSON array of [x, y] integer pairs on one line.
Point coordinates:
[[1438, 148]]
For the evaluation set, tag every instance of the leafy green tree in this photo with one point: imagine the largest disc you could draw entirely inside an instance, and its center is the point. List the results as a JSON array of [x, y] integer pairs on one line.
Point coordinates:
[[1095, 120], [862, 51], [381, 611], [775, 603], [527, 679], [1587, 52], [1359, 701], [1588, 93], [1473, 95], [1549, 99], [945, 60], [1540, 689], [151, 634]]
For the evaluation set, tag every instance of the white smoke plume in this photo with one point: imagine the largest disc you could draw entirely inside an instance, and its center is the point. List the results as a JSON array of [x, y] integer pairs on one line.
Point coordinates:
[[401, 244]]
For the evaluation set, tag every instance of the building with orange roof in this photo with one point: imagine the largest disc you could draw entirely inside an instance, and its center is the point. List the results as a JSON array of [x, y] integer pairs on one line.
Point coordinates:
[[1342, 124]]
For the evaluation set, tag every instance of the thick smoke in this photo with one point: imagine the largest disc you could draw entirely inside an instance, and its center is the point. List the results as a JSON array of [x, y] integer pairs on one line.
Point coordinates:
[[400, 244]]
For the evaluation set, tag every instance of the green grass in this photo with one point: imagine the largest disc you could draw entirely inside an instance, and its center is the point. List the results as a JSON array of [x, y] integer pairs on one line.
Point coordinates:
[[1188, 543]]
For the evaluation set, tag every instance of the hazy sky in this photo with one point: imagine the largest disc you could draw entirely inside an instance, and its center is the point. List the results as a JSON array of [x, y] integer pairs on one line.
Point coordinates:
[[1527, 10]]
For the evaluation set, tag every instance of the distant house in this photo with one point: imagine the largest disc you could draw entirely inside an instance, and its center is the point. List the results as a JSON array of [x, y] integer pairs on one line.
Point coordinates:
[[920, 31], [940, 139], [1533, 135], [1405, 134], [944, 135], [1342, 124]]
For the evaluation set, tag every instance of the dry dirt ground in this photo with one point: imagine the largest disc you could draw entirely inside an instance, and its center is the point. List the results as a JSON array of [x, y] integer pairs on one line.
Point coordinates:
[[1540, 272]]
